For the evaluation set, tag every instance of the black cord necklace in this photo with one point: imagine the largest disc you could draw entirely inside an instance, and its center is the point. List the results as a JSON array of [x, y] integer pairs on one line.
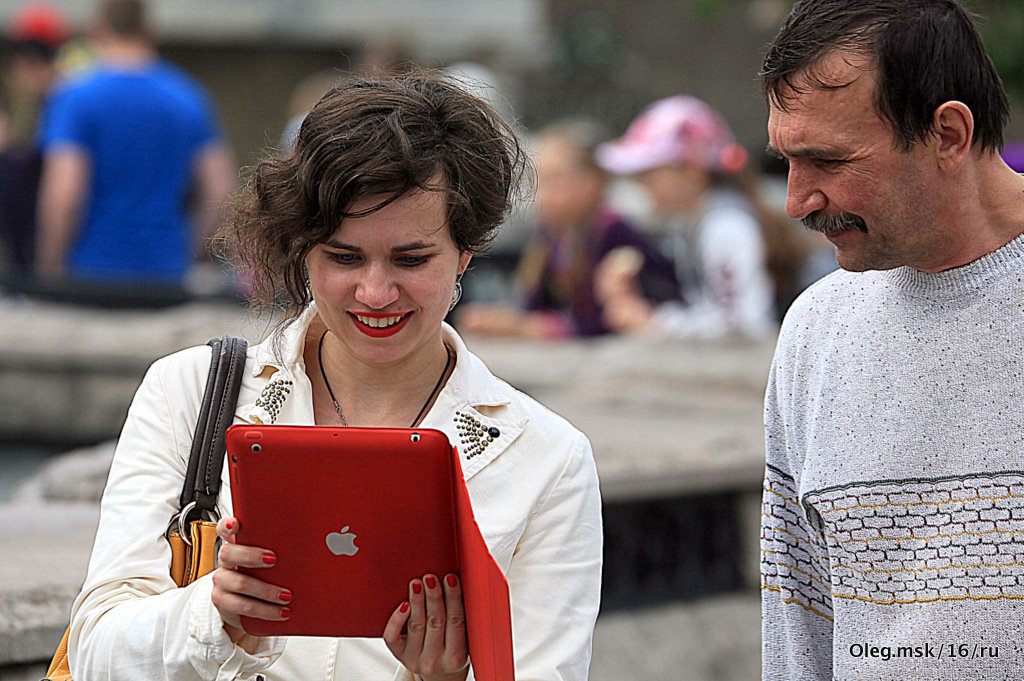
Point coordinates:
[[423, 409]]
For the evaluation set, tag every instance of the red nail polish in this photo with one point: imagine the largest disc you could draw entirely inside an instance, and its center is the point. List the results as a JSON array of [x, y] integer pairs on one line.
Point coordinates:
[[404, 607], [285, 596], [269, 558], [230, 524], [452, 581], [431, 582], [417, 588], [286, 613]]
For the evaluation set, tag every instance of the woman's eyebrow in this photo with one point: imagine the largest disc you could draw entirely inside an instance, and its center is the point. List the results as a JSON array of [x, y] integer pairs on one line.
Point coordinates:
[[340, 245], [412, 246]]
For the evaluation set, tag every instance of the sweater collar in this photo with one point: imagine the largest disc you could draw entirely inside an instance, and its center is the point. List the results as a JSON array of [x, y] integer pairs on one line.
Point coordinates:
[[959, 281]]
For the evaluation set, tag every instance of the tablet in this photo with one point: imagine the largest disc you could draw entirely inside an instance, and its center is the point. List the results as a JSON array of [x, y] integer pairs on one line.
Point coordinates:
[[353, 514]]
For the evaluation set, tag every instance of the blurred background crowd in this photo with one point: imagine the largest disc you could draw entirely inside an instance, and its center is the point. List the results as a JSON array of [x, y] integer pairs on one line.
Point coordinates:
[[125, 126]]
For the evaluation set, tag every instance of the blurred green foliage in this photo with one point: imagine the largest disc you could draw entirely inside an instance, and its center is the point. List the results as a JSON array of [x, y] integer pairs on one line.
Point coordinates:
[[1001, 23]]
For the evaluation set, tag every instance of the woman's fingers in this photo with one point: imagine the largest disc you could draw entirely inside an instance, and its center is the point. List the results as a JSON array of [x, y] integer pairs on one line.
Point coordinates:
[[394, 632], [433, 632], [227, 528], [233, 555], [234, 605], [416, 625], [456, 647], [235, 582], [236, 594], [434, 640]]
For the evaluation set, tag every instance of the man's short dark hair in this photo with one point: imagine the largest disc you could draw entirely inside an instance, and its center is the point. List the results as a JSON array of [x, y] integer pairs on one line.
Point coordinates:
[[926, 52], [124, 17]]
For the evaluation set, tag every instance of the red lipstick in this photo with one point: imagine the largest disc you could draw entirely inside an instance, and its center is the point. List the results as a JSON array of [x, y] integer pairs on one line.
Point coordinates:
[[379, 331]]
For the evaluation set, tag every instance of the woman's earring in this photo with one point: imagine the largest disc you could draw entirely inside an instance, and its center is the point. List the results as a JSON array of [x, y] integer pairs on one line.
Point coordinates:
[[457, 293]]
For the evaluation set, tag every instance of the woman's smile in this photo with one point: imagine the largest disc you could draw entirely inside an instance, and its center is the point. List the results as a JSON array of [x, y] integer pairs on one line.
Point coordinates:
[[379, 325], [384, 281]]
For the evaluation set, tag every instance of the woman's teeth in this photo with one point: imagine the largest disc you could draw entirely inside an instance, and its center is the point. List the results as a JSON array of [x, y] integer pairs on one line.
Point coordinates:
[[379, 322]]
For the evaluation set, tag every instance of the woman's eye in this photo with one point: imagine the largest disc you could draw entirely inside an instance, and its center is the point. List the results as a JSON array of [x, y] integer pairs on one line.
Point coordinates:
[[411, 260], [343, 258]]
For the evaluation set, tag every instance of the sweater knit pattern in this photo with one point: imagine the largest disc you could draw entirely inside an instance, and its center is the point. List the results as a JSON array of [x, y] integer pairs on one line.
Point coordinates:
[[905, 541], [893, 509]]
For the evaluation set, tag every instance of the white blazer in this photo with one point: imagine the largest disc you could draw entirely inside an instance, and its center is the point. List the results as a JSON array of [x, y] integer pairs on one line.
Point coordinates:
[[534, 490]]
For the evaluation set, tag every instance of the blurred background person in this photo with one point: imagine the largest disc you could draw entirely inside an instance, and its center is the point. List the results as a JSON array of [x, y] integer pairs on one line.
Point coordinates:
[[795, 257], [383, 55], [34, 36], [307, 92], [126, 144], [575, 230], [683, 154]]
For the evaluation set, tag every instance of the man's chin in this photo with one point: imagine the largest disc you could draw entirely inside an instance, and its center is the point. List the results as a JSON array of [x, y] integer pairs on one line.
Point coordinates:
[[854, 267], [851, 263]]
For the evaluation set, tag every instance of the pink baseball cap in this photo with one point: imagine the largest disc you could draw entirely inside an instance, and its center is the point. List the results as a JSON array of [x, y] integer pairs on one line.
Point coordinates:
[[671, 131]]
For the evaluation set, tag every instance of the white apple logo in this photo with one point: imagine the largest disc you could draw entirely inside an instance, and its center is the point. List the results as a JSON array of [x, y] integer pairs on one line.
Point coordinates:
[[342, 543]]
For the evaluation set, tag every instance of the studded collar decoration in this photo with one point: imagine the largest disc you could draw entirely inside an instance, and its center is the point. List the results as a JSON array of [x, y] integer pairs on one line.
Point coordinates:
[[268, 404], [473, 435]]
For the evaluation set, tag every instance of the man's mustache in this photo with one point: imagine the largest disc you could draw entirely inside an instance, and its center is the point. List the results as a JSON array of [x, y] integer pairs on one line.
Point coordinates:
[[819, 222]]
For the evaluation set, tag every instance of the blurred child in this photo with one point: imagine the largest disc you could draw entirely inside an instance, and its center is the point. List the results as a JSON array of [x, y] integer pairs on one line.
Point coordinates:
[[575, 231], [682, 152]]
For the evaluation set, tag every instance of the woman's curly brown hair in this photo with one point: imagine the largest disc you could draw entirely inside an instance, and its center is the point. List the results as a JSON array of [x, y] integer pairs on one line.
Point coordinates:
[[373, 136]]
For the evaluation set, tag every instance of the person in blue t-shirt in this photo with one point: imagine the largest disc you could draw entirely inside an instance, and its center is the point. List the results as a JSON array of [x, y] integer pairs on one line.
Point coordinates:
[[123, 144]]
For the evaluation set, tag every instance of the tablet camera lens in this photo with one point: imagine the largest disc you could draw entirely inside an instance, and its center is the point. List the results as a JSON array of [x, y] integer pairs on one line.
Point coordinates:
[[415, 437], [256, 448]]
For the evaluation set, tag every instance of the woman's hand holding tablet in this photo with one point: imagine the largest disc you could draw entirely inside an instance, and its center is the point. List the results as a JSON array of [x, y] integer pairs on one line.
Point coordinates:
[[427, 633], [235, 593]]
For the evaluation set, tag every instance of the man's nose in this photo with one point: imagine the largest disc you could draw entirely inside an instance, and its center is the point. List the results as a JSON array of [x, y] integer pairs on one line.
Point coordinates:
[[803, 196]]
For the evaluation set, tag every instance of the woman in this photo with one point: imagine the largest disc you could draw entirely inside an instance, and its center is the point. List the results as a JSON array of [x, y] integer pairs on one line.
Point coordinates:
[[576, 230], [367, 226]]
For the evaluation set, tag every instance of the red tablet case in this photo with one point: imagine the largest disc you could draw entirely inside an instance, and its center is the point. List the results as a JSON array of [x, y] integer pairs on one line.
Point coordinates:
[[396, 495]]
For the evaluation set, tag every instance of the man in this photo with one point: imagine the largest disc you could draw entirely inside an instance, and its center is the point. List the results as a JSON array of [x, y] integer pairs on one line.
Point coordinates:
[[893, 524], [122, 146], [35, 35]]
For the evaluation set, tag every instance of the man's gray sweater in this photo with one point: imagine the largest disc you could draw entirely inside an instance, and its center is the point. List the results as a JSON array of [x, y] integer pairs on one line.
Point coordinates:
[[893, 514]]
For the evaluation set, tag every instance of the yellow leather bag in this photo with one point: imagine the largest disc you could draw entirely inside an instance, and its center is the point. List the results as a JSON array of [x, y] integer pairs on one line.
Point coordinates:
[[193, 539]]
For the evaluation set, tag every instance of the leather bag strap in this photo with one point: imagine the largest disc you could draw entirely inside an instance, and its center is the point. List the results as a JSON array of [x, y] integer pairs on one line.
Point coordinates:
[[217, 411]]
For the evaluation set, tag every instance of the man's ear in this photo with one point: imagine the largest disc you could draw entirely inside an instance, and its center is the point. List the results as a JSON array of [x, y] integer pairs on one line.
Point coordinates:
[[954, 129]]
